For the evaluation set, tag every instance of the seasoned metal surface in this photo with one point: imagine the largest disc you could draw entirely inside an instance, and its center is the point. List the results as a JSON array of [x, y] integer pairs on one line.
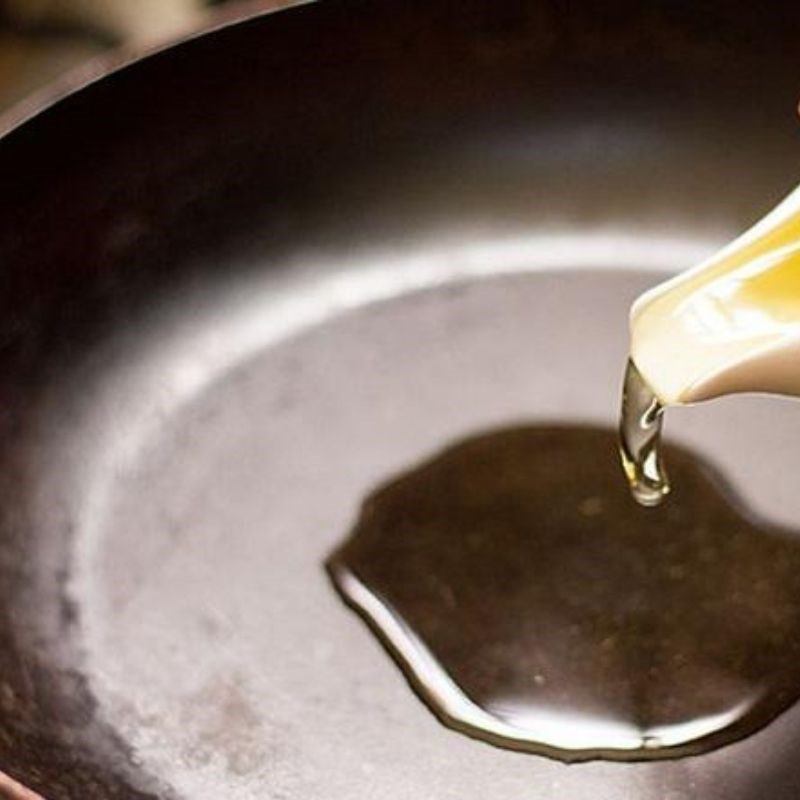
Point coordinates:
[[247, 279]]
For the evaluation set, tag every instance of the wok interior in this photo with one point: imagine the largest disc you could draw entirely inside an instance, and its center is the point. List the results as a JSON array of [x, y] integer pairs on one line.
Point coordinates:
[[290, 147]]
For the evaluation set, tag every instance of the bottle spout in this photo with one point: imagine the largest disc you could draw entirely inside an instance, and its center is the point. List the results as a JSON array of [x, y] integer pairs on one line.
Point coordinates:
[[732, 324]]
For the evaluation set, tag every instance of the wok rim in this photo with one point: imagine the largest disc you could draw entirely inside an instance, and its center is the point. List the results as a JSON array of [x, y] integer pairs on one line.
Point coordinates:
[[115, 60]]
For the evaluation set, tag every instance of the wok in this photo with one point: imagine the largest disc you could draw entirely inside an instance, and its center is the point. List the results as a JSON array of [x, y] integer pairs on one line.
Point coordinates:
[[249, 277]]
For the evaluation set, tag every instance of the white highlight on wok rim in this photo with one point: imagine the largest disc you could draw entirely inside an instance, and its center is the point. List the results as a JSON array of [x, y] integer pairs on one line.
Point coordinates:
[[232, 324], [174, 357]]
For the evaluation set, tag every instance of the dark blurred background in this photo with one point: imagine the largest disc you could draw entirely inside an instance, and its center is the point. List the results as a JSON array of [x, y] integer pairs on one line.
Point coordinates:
[[42, 40]]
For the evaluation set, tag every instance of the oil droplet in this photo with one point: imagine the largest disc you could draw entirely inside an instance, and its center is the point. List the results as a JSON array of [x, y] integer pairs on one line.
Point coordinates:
[[641, 420], [533, 606]]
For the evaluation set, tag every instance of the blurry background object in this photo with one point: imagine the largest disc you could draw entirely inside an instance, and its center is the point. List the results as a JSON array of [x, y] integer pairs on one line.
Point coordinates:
[[40, 40], [142, 21]]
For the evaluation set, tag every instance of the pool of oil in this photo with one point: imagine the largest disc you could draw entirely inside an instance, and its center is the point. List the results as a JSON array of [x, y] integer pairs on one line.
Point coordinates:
[[533, 604]]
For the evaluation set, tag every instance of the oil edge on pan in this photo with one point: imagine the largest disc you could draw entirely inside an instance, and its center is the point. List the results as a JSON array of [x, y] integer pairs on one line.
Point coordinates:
[[57, 761]]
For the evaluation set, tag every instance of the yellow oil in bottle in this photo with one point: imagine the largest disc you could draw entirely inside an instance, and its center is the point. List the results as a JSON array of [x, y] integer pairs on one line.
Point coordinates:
[[731, 324]]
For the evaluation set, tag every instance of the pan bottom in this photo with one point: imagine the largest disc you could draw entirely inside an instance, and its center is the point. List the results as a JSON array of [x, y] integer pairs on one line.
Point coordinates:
[[230, 451]]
